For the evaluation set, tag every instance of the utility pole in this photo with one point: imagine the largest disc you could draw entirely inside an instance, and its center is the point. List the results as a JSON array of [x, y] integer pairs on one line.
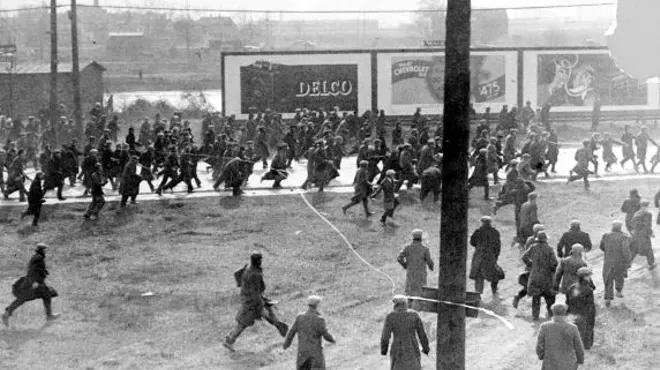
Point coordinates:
[[75, 70], [54, 120], [454, 213]]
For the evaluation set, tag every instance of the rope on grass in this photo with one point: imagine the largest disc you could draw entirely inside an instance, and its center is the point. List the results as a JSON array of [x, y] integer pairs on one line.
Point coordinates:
[[508, 324], [348, 243]]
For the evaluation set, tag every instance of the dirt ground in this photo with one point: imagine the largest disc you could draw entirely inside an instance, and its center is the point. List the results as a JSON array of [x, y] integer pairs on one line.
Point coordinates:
[[184, 253]]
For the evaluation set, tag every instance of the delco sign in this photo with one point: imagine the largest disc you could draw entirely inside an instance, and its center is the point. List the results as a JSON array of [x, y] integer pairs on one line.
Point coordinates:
[[283, 88], [324, 88]]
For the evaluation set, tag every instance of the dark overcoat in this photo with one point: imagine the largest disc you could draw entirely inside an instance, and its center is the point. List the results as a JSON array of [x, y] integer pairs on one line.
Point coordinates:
[[487, 244]]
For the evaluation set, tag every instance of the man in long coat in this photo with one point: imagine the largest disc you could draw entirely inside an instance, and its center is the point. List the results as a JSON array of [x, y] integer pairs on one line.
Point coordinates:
[[541, 258], [479, 177], [630, 206], [559, 345], [54, 176], [390, 201], [528, 218], [580, 301], [129, 184], [311, 330], [33, 286], [642, 232], [616, 261], [487, 244], [234, 174], [431, 180], [405, 326], [254, 306], [362, 188], [35, 199], [415, 258], [573, 236]]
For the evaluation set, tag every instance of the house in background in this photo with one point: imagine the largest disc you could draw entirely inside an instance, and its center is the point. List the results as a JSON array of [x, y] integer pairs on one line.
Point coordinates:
[[29, 87]]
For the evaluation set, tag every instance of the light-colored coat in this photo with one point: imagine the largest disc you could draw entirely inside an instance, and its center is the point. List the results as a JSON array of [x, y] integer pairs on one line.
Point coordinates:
[[559, 345], [311, 330], [405, 326], [415, 257]]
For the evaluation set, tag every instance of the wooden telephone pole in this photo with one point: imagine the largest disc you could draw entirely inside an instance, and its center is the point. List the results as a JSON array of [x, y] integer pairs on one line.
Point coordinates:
[[54, 119], [75, 70], [454, 213]]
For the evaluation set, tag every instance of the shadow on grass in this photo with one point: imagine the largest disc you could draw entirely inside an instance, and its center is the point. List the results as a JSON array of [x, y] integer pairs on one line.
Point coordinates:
[[231, 202], [18, 337]]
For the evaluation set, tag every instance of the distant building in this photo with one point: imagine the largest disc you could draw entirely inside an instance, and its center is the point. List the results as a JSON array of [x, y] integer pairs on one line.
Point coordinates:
[[125, 45], [29, 87]]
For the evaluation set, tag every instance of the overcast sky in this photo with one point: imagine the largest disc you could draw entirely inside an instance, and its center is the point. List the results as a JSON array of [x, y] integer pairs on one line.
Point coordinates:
[[336, 5]]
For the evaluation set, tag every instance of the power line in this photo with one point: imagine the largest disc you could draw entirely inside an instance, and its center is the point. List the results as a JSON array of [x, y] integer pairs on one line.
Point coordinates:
[[262, 11]]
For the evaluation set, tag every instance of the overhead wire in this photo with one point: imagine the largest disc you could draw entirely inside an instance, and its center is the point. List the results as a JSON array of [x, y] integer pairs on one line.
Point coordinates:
[[320, 11]]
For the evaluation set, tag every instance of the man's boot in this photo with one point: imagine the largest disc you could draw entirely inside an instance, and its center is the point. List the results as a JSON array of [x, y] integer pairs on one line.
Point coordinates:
[[49, 311], [59, 194]]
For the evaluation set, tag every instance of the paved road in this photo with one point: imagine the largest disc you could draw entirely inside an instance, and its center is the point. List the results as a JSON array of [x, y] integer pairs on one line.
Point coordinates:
[[297, 176]]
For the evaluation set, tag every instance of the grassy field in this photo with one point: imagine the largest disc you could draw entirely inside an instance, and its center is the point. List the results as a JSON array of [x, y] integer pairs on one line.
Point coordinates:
[[185, 253]]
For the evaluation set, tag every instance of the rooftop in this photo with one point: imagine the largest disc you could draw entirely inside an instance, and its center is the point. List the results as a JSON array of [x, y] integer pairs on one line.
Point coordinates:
[[37, 68]]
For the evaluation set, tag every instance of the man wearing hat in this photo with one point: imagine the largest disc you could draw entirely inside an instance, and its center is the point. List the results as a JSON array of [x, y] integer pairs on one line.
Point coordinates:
[[642, 141], [573, 236], [35, 199], [33, 286], [523, 278], [311, 330], [487, 245], [415, 258], [580, 301], [98, 199], [278, 167], [54, 177], [642, 232], [583, 157], [426, 156], [431, 179], [510, 151], [404, 326], [567, 272], [129, 184], [616, 261], [254, 306], [290, 140], [16, 176], [630, 206], [234, 174], [407, 166], [390, 201], [559, 345], [479, 176], [528, 217], [261, 146], [542, 262], [362, 188]]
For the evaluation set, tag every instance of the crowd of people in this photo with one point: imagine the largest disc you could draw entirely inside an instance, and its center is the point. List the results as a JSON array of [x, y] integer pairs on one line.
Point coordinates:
[[168, 149]]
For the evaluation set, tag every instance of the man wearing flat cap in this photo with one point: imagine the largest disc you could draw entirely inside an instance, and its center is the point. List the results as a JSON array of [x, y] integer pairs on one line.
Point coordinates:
[[254, 306], [415, 258], [404, 326], [431, 179], [362, 188], [487, 245], [540, 257], [426, 156], [616, 261], [642, 232], [390, 201], [33, 286], [573, 236], [558, 344], [278, 167], [528, 217], [580, 301], [567, 271], [407, 166], [311, 330], [129, 184]]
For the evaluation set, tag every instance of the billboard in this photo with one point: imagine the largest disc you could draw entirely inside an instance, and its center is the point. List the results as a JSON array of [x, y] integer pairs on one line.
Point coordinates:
[[285, 82], [410, 80], [572, 80], [284, 88]]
